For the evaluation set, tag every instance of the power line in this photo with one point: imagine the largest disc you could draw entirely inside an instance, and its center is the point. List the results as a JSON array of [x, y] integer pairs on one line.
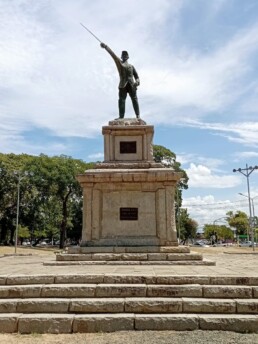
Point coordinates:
[[231, 203]]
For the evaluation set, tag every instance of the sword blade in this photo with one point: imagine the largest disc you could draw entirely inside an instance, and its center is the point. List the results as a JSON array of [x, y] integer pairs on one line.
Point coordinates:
[[91, 32]]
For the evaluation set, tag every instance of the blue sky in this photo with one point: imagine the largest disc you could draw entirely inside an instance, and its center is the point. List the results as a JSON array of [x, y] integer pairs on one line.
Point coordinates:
[[198, 66]]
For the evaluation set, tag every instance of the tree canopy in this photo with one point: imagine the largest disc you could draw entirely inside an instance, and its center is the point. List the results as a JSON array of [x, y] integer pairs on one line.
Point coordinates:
[[221, 232], [49, 195], [239, 221], [51, 198], [188, 226]]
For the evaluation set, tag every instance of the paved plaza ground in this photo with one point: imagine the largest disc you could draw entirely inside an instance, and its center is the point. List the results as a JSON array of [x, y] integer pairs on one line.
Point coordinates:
[[229, 262]]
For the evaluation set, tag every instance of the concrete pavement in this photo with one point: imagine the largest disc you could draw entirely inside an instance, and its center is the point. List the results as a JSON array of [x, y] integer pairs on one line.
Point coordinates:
[[226, 265]]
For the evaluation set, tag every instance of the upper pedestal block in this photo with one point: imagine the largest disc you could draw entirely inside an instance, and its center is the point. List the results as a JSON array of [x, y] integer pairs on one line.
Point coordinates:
[[128, 140]]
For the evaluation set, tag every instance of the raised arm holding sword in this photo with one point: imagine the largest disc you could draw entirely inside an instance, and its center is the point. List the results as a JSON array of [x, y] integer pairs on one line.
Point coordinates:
[[129, 79]]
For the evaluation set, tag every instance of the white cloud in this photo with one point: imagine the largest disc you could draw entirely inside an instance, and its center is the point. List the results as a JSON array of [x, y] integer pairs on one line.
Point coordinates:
[[207, 209], [206, 82], [96, 156], [55, 76], [211, 163], [245, 155], [201, 176], [241, 132]]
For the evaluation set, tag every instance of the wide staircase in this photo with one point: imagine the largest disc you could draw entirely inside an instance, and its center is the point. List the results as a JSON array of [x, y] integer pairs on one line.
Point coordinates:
[[114, 302], [138, 255]]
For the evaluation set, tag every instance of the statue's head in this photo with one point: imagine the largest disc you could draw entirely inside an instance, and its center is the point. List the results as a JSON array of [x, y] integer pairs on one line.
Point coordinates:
[[124, 56]]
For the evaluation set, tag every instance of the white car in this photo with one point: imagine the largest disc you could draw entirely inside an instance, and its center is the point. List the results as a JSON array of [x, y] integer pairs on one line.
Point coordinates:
[[246, 244]]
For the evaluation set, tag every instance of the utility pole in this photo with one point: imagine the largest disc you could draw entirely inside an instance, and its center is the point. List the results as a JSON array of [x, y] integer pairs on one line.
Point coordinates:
[[246, 172]]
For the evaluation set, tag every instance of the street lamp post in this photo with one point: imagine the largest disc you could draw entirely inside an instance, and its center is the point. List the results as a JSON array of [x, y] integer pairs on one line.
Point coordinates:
[[214, 222], [19, 176], [252, 200], [246, 172]]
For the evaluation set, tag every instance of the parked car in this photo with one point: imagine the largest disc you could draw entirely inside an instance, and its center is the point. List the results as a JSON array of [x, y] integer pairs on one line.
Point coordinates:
[[247, 244]]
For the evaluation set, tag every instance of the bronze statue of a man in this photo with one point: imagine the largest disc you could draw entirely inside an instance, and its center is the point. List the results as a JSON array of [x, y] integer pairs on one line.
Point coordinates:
[[129, 80]]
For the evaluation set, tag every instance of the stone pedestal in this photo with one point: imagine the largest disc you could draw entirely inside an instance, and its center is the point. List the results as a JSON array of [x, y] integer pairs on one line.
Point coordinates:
[[129, 199]]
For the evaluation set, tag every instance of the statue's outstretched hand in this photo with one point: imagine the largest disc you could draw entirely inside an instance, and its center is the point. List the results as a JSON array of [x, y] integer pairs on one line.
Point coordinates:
[[103, 45]]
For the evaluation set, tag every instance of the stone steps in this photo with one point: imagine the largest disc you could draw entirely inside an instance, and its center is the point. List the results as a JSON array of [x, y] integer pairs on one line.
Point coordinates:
[[127, 249], [74, 323], [142, 305], [129, 255], [114, 302], [113, 278], [72, 290], [131, 262]]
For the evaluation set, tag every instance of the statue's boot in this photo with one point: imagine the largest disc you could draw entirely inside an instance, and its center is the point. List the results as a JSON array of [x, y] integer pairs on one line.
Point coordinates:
[[136, 107], [121, 107]]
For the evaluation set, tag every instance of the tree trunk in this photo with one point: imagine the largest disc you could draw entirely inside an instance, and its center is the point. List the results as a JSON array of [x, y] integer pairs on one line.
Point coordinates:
[[64, 221]]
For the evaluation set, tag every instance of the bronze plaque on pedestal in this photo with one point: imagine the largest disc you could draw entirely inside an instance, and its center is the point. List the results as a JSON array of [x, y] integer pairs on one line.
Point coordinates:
[[127, 147], [129, 214]]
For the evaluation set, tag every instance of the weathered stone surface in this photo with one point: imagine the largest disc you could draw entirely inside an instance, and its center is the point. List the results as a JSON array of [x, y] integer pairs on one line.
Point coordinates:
[[4, 292], [157, 256], [230, 280], [229, 322], [100, 249], [106, 256], [80, 278], [227, 291], [45, 323], [255, 291], [174, 290], [204, 262], [135, 279], [103, 323], [180, 262], [253, 281], [121, 290], [73, 257], [2, 280], [222, 280], [95, 305], [20, 291], [234, 280], [134, 256], [124, 122], [247, 306], [8, 306], [198, 305], [172, 249], [153, 305], [124, 262], [142, 249], [43, 305], [184, 256], [176, 322], [32, 279], [9, 322], [68, 290], [168, 279]]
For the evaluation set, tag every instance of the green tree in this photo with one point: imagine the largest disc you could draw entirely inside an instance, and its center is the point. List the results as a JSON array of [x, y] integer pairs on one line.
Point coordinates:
[[238, 220], [55, 179], [49, 197], [10, 164], [23, 233], [221, 232], [168, 158], [188, 226]]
